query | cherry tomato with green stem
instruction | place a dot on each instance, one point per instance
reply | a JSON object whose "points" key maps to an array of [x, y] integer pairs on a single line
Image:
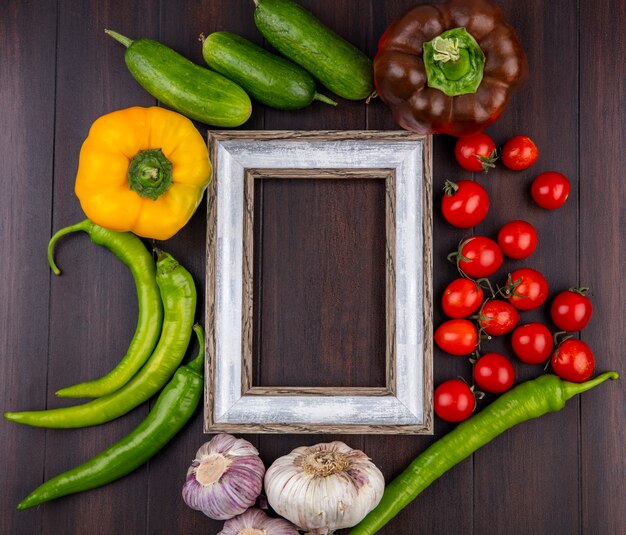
{"points": [[526, 289], [476, 153], [550, 190], [461, 298], [517, 239], [494, 373], [519, 152], [457, 337], [497, 317], [454, 401], [477, 257], [571, 310], [464, 204], [573, 361], [532, 343]]}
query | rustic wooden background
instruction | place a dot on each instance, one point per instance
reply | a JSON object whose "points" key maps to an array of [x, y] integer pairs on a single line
{"points": [[562, 474]]}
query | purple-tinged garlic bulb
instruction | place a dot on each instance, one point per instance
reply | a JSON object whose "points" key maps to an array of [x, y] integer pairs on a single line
{"points": [[256, 522], [225, 478], [324, 488]]}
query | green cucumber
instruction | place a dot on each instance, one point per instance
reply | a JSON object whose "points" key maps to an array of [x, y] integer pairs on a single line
{"points": [[266, 77], [297, 34], [178, 83]]}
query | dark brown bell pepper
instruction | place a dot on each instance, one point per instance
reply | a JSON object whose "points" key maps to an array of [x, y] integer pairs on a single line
{"points": [[449, 68]]}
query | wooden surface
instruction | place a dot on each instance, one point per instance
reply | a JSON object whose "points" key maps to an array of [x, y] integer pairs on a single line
{"points": [[562, 474]]}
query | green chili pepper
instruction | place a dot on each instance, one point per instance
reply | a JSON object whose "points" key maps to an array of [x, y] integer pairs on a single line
{"points": [[178, 294], [173, 408], [528, 400], [130, 250]]}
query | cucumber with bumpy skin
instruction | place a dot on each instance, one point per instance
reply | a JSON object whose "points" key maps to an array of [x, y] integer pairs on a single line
{"points": [[297, 34], [182, 85], [266, 77]]}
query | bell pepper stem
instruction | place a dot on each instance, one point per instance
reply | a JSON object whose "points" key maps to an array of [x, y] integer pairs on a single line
{"points": [[119, 37], [150, 173], [454, 62], [82, 226], [197, 364], [572, 389], [446, 49]]}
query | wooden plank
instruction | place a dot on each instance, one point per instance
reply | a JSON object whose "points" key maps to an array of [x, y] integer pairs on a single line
{"points": [[180, 25], [454, 487], [602, 200], [346, 18], [247, 320], [27, 79], [318, 391], [93, 304], [390, 285], [527, 481]]}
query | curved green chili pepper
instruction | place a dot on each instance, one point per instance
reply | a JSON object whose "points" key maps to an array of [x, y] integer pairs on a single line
{"points": [[173, 408], [528, 400], [178, 294], [130, 250]]}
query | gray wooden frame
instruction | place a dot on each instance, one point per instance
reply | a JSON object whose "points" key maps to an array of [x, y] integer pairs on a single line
{"points": [[403, 160]]}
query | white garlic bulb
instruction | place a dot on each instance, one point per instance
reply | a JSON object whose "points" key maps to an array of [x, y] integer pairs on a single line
{"points": [[256, 522], [225, 478], [325, 487]]}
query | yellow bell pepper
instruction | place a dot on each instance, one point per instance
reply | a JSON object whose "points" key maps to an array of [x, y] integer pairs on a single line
{"points": [[142, 170]]}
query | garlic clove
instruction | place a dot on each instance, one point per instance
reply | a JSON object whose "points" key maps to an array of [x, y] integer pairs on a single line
{"points": [[225, 478], [324, 487], [256, 522]]}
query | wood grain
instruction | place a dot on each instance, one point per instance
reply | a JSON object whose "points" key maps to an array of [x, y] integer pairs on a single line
{"points": [[553, 474], [427, 514], [602, 258], [247, 320], [319, 391], [93, 304], [390, 282], [27, 155], [561, 474]]}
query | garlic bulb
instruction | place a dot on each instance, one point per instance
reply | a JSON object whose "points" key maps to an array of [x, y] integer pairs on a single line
{"points": [[325, 487], [225, 478], [256, 522]]}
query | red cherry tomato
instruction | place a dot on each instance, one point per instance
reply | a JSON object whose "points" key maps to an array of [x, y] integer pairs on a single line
{"points": [[498, 317], [494, 373], [454, 401], [519, 153], [479, 257], [464, 204], [530, 291], [517, 239], [571, 310], [457, 337], [532, 343], [550, 190], [476, 153], [573, 361], [461, 298]]}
